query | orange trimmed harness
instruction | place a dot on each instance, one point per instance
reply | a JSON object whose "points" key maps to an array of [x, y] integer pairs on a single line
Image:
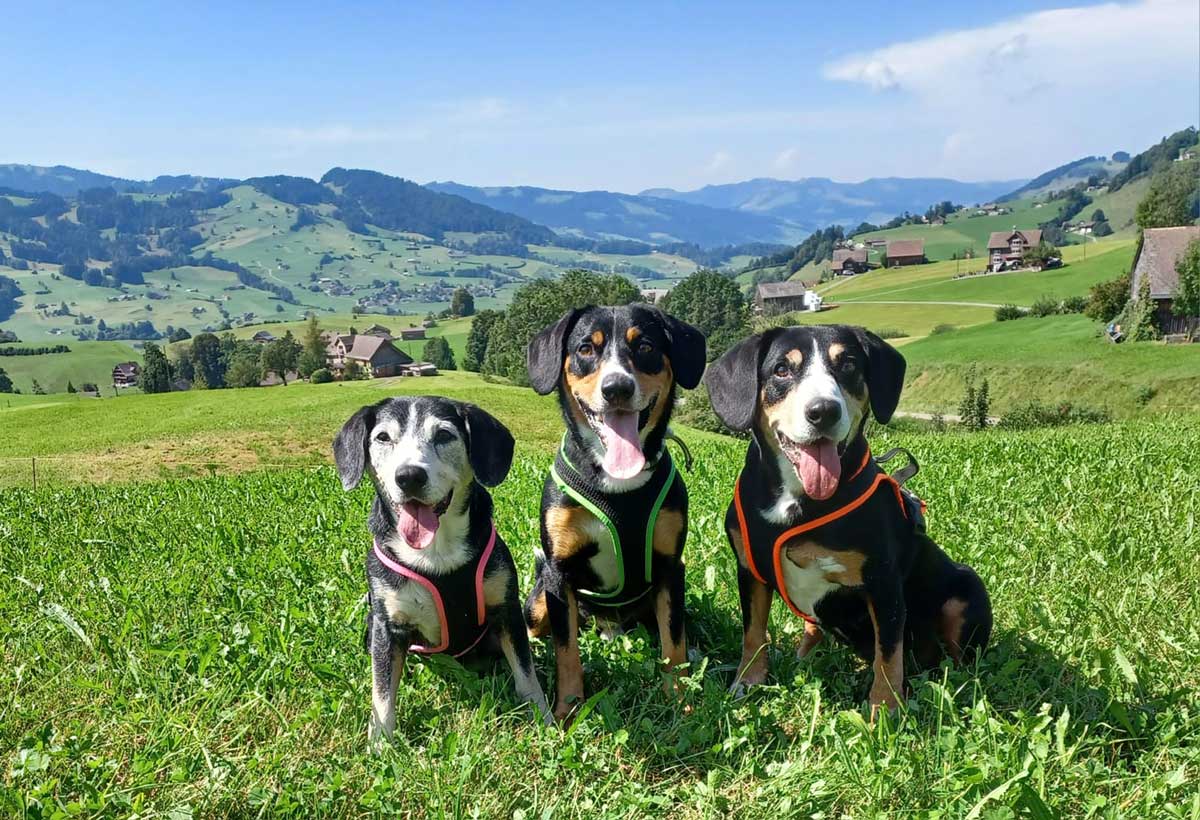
{"points": [[879, 477]]}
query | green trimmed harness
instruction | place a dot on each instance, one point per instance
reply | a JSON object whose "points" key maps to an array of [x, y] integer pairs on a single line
{"points": [[621, 514]]}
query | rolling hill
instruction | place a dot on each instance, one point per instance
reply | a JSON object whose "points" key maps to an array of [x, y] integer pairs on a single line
{"points": [[604, 214], [816, 202], [65, 181]]}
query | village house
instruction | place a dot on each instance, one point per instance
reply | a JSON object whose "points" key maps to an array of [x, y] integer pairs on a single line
{"points": [[418, 369], [1186, 154], [376, 355], [379, 330], [774, 298], [263, 337], [126, 374], [654, 295], [1005, 248], [846, 262], [905, 252], [1155, 262], [412, 334]]}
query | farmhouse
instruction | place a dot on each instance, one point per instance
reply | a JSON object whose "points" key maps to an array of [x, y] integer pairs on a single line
{"points": [[847, 262], [263, 337], [379, 330], [418, 369], [377, 355], [412, 334], [774, 298], [126, 374], [654, 295], [1005, 248], [905, 252], [1155, 263]]}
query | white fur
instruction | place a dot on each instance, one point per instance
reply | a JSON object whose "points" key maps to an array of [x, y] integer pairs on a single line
{"points": [[410, 604], [604, 562], [808, 585]]}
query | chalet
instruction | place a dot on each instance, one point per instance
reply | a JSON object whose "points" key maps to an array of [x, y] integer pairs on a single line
{"points": [[376, 355], [1155, 262], [263, 337], [1186, 154], [412, 334], [905, 252], [126, 374], [654, 295], [379, 330], [1005, 248], [847, 262], [774, 298]]}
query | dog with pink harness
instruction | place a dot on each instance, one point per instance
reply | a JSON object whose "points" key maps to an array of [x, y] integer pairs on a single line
{"points": [[439, 577]]}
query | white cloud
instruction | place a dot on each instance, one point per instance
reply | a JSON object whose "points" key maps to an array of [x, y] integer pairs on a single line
{"points": [[786, 159], [719, 161]]}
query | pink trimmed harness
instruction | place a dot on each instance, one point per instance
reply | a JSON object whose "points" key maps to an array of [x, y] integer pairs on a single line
{"points": [[480, 603]]}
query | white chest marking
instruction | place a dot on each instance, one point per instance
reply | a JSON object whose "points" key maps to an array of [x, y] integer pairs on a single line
{"points": [[604, 562], [412, 605], [808, 585]]}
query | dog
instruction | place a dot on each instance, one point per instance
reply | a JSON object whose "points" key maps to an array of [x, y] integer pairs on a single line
{"points": [[614, 508], [439, 577], [816, 520]]}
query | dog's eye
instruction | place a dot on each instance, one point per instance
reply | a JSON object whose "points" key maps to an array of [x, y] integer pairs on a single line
{"points": [[382, 436], [645, 347], [782, 370], [443, 436], [585, 349], [847, 365]]}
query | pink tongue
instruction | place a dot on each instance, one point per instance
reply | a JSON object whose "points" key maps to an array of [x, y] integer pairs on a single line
{"points": [[819, 468], [418, 524], [622, 449]]}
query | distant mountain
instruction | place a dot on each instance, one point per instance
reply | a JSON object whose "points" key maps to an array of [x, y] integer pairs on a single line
{"points": [[815, 202], [604, 215], [1067, 176], [65, 181]]}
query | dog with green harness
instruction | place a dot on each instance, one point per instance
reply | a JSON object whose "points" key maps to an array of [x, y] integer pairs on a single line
{"points": [[614, 506]]}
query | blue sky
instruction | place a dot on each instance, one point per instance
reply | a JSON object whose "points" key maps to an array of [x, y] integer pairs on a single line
{"points": [[616, 96]]}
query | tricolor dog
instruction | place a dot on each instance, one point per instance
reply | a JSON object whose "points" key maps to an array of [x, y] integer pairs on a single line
{"points": [[439, 577], [614, 508], [816, 520]]}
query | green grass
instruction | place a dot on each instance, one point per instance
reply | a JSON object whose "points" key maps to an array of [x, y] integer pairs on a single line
{"points": [[915, 319], [193, 648], [1053, 359], [87, 362], [1119, 206]]}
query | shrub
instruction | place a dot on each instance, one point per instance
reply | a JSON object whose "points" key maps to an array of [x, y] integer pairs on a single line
{"points": [[1044, 306], [890, 333], [1144, 394], [1006, 313], [321, 376], [1073, 304], [973, 409], [694, 409], [1106, 299], [940, 329], [1036, 414]]}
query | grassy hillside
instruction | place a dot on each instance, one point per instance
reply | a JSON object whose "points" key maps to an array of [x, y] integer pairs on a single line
{"points": [[87, 362], [1054, 359], [254, 696]]}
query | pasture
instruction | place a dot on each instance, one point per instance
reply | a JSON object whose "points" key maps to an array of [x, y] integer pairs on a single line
{"points": [[193, 647], [86, 362]]}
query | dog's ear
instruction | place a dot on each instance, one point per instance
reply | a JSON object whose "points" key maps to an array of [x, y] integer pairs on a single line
{"points": [[732, 383], [688, 351], [885, 374], [544, 356], [489, 445], [350, 447]]}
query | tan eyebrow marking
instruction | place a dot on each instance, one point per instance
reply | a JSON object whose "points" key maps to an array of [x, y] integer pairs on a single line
{"points": [[597, 337], [836, 350], [632, 333], [795, 357]]}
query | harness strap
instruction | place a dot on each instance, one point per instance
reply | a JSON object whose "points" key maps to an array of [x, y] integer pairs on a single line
{"points": [[439, 604], [907, 471]]}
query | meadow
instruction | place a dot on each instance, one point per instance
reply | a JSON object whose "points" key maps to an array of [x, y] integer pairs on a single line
{"points": [[192, 647], [87, 362]]}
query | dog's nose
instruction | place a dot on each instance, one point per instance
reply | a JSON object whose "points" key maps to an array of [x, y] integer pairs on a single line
{"points": [[411, 479], [823, 412], [617, 387]]}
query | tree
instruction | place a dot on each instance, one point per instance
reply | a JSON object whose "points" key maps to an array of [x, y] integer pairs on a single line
{"points": [[1106, 299], [321, 376], [1137, 319], [462, 303], [281, 356], [353, 372], [70, 388], [437, 351], [1102, 229], [1040, 253], [1187, 302], [1173, 198], [1098, 216], [477, 339], [714, 305], [156, 372], [312, 354], [38, 390], [179, 334], [207, 363], [540, 303], [6, 385]]}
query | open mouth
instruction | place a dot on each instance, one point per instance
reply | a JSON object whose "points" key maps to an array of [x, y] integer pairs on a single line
{"points": [[417, 522], [818, 463], [618, 431]]}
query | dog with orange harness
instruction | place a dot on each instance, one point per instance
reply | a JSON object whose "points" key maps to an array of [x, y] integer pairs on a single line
{"points": [[815, 518]]}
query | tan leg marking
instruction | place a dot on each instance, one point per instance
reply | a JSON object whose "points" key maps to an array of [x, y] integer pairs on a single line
{"points": [[569, 676], [540, 627], [812, 636], [567, 528], [752, 669], [666, 531], [889, 671], [950, 623], [673, 653]]}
